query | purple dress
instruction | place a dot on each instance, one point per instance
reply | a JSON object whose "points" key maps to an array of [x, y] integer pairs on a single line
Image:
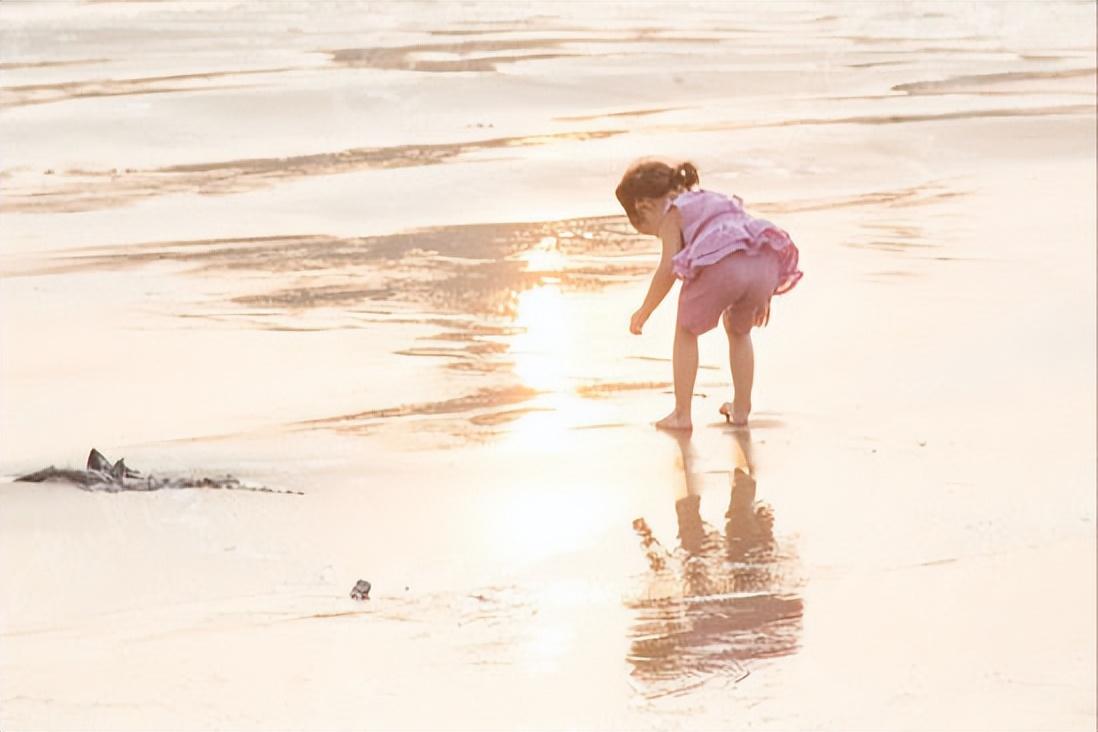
{"points": [[714, 227]]}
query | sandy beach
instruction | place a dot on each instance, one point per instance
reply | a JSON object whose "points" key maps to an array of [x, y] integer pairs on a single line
{"points": [[370, 253]]}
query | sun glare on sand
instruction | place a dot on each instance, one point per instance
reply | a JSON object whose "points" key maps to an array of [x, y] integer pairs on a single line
{"points": [[549, 352], [550, 518], [542, 349]]}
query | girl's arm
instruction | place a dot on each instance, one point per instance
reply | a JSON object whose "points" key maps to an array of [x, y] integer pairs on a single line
{"points": [[663, 278]]}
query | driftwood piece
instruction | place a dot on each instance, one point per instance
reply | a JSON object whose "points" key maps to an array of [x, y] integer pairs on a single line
{"points": [[101, 475]]}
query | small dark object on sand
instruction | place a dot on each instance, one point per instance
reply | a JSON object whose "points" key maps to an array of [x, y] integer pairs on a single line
{"points": [[361, 590]]}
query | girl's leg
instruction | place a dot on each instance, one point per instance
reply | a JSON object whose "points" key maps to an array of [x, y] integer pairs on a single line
{"points": [[685, 362], [761, 274], [741, 359]]}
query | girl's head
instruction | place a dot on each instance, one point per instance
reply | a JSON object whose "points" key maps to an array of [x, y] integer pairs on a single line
{"points": [[645, 187]]}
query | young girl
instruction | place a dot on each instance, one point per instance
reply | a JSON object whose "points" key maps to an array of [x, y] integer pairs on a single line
{"points": [[730, 264]]}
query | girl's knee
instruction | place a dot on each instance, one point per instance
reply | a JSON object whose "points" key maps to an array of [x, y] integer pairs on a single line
{"points": [[684, 332], [736, 325]]}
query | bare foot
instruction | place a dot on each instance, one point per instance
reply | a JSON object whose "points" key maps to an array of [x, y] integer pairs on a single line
{"points": [[734, 416], [674, 421]]}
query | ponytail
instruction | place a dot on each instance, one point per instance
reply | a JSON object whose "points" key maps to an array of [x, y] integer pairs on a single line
{"points": [[685, 176]]}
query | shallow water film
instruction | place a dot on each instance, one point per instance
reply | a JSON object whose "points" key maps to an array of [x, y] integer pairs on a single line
{"points": [[351, 279]]}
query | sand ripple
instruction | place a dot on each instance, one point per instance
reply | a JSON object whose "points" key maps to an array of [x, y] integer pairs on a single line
{"points": [[88, 190]]}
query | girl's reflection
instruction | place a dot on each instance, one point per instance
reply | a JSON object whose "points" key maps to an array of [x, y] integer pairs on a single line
{"points": [[718, 599]]}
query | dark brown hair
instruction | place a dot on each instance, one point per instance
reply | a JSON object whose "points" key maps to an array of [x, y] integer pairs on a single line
{"points": [[652, 179]]}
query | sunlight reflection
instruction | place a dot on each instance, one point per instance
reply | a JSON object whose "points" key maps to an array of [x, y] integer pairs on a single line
{"points": [[545, 353], [545, 257], [543, 348], [539, 522], [542, 519]]}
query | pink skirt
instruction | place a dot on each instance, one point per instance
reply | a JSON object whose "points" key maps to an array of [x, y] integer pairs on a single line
{"points": [[739, 286]]}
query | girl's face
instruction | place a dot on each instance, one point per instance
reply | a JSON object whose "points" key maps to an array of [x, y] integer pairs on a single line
{"points": [[650, 211]]}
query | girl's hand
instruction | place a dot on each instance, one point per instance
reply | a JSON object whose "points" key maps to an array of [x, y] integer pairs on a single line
{"points": [[637, 322]]}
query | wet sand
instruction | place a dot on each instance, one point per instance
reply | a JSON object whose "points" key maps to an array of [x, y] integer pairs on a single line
{"points": [[380, 263]]}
